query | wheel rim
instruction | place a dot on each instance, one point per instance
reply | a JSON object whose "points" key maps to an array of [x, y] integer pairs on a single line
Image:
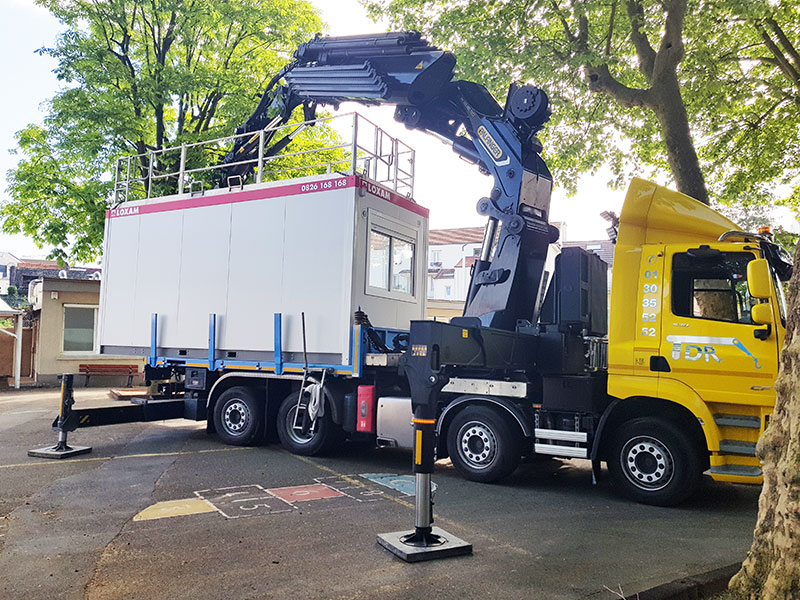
{"points": [[477, 445], [236, 417], [647, 463], [296, 435]]}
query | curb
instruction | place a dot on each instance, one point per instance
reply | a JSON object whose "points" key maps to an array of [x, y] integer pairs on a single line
{"points": [[694, 587]]}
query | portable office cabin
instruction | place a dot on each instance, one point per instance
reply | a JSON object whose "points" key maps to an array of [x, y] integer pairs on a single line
{"points": [[322, 245]]}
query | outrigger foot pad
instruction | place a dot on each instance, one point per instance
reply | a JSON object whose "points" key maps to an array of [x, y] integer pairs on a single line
{"points": [[59, 451], [419, 545]]}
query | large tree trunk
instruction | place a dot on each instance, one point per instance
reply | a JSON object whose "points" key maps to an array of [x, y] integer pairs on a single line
{"points": [[771, 570], [682, 157]]}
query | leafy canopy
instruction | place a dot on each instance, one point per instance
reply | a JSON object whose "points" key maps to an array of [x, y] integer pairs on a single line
{"points": [[738, 74], [139, 75]]}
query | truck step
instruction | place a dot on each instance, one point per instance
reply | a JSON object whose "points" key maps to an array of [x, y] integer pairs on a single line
{"points": [[749, 422], [570, 451], [738, 470], [737, 447], [560, 435]]}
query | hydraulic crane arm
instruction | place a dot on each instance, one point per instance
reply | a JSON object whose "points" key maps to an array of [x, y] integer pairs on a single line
{"points": [[402, 69]]}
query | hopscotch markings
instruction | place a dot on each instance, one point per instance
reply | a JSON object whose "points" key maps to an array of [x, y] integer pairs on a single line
{"points": [[251, 500], [305, 493], [405, 484], [244, 501], [353, 487]]}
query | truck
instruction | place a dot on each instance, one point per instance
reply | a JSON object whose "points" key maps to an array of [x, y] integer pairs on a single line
{"points": [[294, 309]]}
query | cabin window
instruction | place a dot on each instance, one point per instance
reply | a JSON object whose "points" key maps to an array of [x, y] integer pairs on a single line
{"points": [[708, 284]]}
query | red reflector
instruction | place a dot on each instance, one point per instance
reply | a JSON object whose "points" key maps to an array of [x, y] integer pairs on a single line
{"points": [[365, 421]]}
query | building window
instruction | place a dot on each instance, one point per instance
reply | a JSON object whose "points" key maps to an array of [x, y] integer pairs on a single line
{"points": [[436, 256], [391, 263], [712, 286], [447, 290], [79, 328]]}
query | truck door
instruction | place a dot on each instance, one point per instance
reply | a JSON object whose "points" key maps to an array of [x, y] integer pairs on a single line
{"points": [[708, 337]]}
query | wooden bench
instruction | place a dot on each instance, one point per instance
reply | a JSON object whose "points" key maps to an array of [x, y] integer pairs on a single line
{"points": [[104, 369]]}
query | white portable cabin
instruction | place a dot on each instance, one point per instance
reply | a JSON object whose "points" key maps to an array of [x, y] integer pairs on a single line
{"points": [[199, 278]]}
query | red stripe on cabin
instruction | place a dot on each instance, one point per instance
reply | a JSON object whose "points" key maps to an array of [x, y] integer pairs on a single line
{"points": [[294, 189]]}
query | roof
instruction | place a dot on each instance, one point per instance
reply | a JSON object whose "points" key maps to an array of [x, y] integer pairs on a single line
{"points": [[31, 263], [461, 235], [445, 274], [6, 310], [603, 248], [470, 261]]}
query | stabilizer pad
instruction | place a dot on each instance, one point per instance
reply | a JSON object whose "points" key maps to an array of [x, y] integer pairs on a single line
{"points": [[54, 452], [452, 546]]}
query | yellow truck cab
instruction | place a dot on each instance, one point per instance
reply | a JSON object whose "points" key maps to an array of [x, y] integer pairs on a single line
{"points": [[697, 320]]}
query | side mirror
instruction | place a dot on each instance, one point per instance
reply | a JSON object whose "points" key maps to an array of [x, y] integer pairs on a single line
{"points": [[759, 279], [761, 314]]}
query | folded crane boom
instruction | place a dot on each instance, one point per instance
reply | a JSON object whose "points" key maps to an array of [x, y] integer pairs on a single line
{"points": [[404, 70]]}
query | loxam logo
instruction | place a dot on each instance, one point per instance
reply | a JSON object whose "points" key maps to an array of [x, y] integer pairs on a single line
{"points": [[376, 190], [124, 211]]}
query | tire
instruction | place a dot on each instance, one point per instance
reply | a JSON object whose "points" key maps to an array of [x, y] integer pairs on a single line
{"points": [[239, 417], [321, 439], [483, 444], [654, 462]]}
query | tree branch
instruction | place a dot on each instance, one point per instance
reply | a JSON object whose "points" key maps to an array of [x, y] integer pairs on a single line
{"points": [[784, 41], [671, 51], [610, 33], [644, 51], [783, 63], [601, 81]]}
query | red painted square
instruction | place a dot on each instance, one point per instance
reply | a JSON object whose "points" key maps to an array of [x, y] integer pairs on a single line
{"points": [[303, 493]]}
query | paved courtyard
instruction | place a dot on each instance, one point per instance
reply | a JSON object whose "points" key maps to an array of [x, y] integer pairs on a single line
{"points": [[163, 510]]}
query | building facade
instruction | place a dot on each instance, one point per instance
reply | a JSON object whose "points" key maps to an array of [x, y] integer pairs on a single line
{"points": [[65, 336]]}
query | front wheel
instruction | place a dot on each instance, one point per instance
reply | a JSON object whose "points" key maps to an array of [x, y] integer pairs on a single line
{"points": [[483, 444], [654, 462], [315, 438]]}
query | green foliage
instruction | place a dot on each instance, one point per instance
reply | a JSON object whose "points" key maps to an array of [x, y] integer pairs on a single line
{"points": [[139, 75], [738, 76], [12, 290]]}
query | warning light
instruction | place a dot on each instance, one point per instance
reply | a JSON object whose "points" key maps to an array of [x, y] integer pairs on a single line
{"points": [[764, 229]]}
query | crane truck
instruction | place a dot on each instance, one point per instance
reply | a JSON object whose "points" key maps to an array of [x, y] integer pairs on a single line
{"points": [[297, 307]]}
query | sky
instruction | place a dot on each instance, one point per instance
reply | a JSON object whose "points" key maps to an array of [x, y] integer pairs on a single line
{"points": [[445, 184]]}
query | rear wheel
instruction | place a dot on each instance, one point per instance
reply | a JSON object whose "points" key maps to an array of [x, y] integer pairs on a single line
{"points": [[314, 439], [483, 444], [654, 462], [239, 416]]}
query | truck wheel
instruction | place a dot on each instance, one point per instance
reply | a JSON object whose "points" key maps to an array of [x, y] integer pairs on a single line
{"points": [[239, 416], [483, 445], [654, 462], [316, 440]]}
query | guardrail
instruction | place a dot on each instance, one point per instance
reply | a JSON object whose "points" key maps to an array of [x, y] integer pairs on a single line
{"points": [[349, 144]]}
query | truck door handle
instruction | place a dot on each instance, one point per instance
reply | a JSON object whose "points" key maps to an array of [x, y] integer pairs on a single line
{"points": [[763, 333]]}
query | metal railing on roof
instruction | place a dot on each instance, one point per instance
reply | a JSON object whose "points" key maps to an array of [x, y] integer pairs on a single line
{"points": [[348, 144]]}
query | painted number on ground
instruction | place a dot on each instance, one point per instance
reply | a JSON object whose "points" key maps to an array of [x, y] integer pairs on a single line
{"points": [[244, 501]]}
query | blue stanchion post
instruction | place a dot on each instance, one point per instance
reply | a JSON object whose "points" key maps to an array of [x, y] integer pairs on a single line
{"points": [[278, 353]]}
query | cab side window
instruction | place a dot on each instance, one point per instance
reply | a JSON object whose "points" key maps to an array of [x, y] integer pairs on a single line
{"points": [[709, 284]]}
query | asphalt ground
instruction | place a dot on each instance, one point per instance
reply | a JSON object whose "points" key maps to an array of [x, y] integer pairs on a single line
{"points": [[163, 510]]}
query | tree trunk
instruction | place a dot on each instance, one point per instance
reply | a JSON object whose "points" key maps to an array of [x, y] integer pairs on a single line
{"points": [[681, 155], [771, 570]]}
